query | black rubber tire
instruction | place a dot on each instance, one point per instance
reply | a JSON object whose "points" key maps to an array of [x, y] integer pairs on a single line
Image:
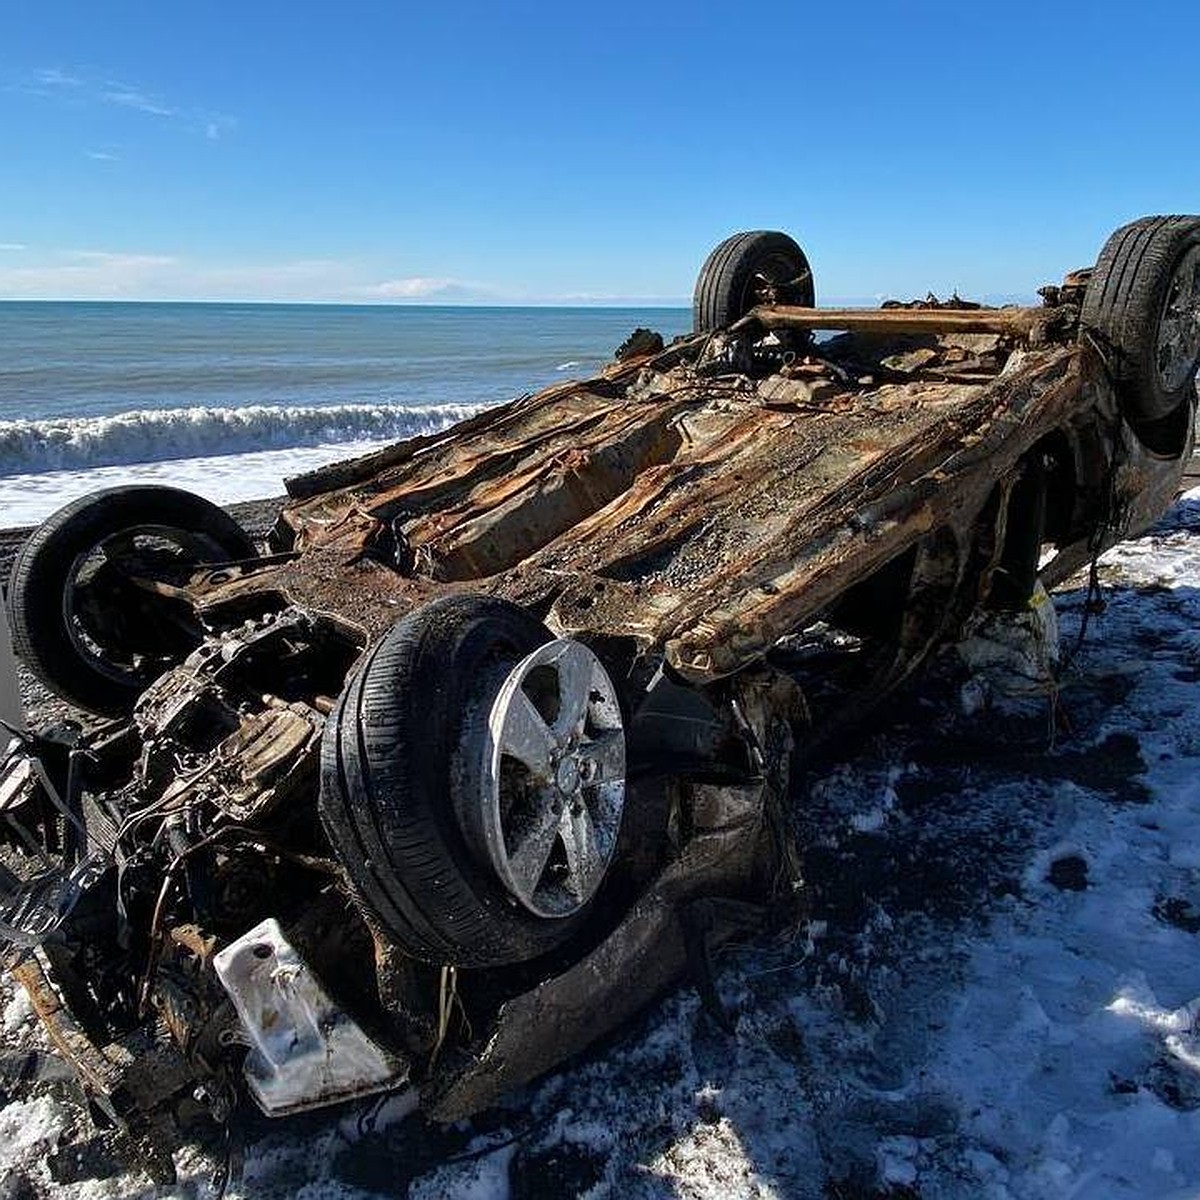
{"points": [[43, 567], [397, 767], [1123, 305], [725, 287]]}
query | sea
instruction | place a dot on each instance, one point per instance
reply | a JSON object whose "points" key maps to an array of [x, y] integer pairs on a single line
{"points": [[229, 399]]}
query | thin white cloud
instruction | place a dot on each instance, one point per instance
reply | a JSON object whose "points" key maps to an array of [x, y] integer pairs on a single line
{"points": [[129, 97], [87, 274], [432, 290], [415, 288], [103, 155], [119, 259], [304, 279], [84, 273], [79, 88], [54, 77], [13, 246]]}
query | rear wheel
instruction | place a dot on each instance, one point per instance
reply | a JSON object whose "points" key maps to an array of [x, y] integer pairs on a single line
{"points": [[90, 595], [473, 783], [1142, 307], [748, 269]]}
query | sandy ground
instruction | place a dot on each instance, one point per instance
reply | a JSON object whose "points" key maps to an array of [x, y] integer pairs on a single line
{"points": [[997, 995]]}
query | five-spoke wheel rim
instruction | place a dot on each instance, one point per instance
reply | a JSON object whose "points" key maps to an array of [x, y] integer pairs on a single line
{"points": [[554, 778], [1178, 343]]}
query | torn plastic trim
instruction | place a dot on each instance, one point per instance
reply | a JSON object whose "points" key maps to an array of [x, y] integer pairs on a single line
{"points": [[305, 1052]]}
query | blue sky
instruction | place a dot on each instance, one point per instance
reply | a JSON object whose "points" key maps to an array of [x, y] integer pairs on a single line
{"points": [[512, 152]]}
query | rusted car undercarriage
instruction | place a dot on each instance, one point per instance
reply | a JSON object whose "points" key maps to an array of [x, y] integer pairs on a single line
{"points": [[493, 740]]}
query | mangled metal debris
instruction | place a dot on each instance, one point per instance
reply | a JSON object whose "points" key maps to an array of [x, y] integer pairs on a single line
{"points": [[493, 742], [304, 1050]]}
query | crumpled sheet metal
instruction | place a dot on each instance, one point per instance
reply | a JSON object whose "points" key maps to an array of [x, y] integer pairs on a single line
{"points": [[703, 516], [812, 556], [645, 955], [738, 863]]}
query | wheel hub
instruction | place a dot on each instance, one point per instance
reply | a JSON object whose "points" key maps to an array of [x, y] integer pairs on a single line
{"points": [[1178, 342], [554, 779], [568, 776]]}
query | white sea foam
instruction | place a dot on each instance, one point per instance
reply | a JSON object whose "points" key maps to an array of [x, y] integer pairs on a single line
{"points": [[224, 478], [165, 435]]}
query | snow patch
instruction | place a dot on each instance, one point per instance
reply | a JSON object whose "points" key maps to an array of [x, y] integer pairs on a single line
{"points": [[17, 1012], [30, 1125]]}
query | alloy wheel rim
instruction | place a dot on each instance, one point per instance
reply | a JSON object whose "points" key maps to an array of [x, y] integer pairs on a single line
{"points": [[1178, 343], [554, 779]]}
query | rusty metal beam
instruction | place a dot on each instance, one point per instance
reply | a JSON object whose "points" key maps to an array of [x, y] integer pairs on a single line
{"points": [[101, 1077], [1016, 322]]}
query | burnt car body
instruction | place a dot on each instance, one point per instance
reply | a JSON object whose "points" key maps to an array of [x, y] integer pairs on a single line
{"points": [[494, 738]]}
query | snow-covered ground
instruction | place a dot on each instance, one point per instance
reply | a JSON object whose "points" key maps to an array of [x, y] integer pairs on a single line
{"points": [[998, 994]]}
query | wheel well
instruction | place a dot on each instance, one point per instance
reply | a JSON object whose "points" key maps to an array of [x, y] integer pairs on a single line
{"points": [[1061, 486]]}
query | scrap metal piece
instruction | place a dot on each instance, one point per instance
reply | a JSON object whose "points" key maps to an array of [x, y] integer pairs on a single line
{"points": [[306, 1051], [40, 884], [100, 1075], [1013, 321], [731, 856]]}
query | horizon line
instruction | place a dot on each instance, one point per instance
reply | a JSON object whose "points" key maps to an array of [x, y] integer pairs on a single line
{"points": [[667, 305]]}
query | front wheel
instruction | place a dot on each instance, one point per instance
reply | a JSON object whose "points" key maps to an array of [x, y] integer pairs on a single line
{"points": [[473, 783]]}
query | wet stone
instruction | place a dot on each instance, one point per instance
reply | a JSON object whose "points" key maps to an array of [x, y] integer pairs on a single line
{"points": [[83, 1161], [1174, 1083], [565, 1169], [640, 341], [15, 1186], [1174, 910], [1069, 873], [912, 361]]}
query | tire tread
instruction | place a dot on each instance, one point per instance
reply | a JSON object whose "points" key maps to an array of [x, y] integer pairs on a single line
{"points": [[41, 570], [387, 772], [1122, 305], [722, 278]]}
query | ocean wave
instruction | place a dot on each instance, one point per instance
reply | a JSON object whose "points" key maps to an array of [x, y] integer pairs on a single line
{"points": [[569, 366], [77, 443]]}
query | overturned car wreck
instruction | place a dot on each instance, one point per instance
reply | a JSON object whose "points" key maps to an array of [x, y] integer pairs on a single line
{"points": [[493, 737]]}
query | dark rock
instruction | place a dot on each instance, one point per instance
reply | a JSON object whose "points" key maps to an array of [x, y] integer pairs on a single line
{"points": [[639, 342], [1174, 910], [83, 1160], [1069, 873], [564, 1170], [14, 1186]]}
